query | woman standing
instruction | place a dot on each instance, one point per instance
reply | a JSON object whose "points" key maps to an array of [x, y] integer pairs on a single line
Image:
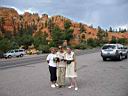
{"points": [[52, 62], [71, 68], [61, 67]]}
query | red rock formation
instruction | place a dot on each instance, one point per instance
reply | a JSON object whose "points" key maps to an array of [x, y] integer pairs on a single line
{"points": [[13, 22], [10, 20]]}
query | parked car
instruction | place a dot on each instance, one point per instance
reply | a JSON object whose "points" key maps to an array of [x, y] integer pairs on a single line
{"points": [[114, 51], [15, 53]]}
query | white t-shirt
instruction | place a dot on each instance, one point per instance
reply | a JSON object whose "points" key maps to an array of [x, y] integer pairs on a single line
{"points": [[50, 58]]}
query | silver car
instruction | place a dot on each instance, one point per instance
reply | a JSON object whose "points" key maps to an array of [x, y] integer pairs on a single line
{"points": [[114, 51], [15, 53]]}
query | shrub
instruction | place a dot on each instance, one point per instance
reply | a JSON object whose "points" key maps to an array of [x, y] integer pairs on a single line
{"points": [[5, 45], [91, 42], [122, 40], [80, 46], [44, 48], [114, 40]]}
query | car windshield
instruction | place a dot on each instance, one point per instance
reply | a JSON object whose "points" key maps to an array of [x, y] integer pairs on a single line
{"points": [[10, 51], [21, 50], [109, 47]]}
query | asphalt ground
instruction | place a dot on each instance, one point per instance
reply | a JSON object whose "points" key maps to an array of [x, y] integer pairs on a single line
{"points": [[34, 59], [95, 78]]}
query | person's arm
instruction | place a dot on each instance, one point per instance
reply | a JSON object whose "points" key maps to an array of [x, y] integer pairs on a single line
{"points": [[47, 61], [48, 58], [75, 67], [65, 57]]}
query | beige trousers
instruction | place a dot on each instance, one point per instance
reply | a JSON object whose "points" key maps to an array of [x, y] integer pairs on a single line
{"points": [[61, 75]]}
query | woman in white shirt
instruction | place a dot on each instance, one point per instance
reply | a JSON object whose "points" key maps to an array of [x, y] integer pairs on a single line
{"points": [[52, 62], [71, 68]]}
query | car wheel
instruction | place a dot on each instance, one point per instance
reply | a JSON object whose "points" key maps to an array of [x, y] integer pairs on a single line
{"points": [[119, 57], [126, 56], [104, 59], [21, 55], [6, 57], [9, 56]]}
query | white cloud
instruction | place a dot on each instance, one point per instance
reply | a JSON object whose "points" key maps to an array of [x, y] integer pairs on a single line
{"points": [[123, 26], [31, 10]]}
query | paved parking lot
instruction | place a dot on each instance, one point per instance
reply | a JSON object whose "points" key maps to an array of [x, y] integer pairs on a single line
{"points": [[95, 78]]}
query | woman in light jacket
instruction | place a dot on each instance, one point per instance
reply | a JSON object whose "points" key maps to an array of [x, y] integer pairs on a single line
{"points": [[71, 68]]}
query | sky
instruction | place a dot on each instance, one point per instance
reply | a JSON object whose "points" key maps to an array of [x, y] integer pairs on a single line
{"points": [[103, 13]]}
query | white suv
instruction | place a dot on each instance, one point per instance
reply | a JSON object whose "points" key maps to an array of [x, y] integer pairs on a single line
{"points": [[15, 53], [114, 51]]}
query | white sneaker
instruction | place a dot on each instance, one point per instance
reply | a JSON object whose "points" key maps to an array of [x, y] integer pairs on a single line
{"points": [[70, 86], [53, 86], [56, 85], [76, 88]]}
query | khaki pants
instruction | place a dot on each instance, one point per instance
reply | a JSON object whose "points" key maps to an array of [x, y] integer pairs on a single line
{"points": [[61, 75]]}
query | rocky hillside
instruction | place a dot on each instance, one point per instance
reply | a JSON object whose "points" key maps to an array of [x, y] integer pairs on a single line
{"points": [[11, 23]]}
